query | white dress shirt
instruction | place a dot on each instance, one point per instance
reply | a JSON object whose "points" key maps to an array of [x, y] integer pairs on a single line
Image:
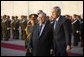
{"points": [[56, 20], [43, 25]]}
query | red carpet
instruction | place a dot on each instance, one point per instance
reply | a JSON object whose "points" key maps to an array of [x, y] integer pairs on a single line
{"points": [[13, 46], [74, 54], [22, 48]]}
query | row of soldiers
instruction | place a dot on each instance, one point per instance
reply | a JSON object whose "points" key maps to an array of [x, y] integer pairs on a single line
{"points": [[77, 27], [5, 21], [14, 26]]}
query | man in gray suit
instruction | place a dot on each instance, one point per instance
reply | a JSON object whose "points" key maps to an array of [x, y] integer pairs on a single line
{"points": [[61, 33], [41, 38]]}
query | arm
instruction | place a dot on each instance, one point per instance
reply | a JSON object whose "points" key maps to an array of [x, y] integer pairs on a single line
{"points": [[68, 34], [51, 40]]}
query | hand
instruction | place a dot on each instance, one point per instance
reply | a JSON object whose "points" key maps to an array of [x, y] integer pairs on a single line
{"points": [[25, 29], [7, 28], [51, 51], [30, 50], [14, 28], [77, 31], [68, 49]]}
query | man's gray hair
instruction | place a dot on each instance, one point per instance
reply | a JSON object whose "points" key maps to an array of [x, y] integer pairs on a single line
{"points": [[57, 9], [40, 10], [43, 14]]}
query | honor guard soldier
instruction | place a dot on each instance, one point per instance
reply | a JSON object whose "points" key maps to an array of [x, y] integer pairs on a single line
{"points": [[23, 27], [12, 26], [4, 28], [16, 25], [31, 22]]}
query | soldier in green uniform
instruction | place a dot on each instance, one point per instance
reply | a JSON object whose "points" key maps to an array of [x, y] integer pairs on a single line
{"points": [[8, 27], [4, 27], [12, 26], [23, 27], [16, 25], [30, 24]]}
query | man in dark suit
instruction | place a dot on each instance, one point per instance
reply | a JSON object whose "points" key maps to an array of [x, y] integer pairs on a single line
{"points": [[41, 38], [61, 33], [76, 30]]}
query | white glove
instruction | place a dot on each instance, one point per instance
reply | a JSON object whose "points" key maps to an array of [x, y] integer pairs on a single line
{"points": [[25, 29], [77, 31], [8, 28], [14, 28]]}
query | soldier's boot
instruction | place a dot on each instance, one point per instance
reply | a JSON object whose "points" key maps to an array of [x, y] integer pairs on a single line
{"points": [[5, 37], [17, 34]]}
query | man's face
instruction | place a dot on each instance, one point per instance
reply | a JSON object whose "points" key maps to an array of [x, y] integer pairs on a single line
{"points": [[38, 12], [41, 19], [12, 17], [8, 17], [74, 17], [32, 19], [4, 17], [55, 14], [22, 17]]}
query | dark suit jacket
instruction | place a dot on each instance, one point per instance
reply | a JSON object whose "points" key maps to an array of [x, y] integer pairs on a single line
{"points": [[76, 26], [62, 35], [41, 45]]}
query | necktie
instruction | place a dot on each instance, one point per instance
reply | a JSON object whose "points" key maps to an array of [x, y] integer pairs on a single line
{"points": [[55, 24], [40, 27]]}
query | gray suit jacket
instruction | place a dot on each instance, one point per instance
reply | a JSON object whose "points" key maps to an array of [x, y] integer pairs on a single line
{"points": [[62, 35]]}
